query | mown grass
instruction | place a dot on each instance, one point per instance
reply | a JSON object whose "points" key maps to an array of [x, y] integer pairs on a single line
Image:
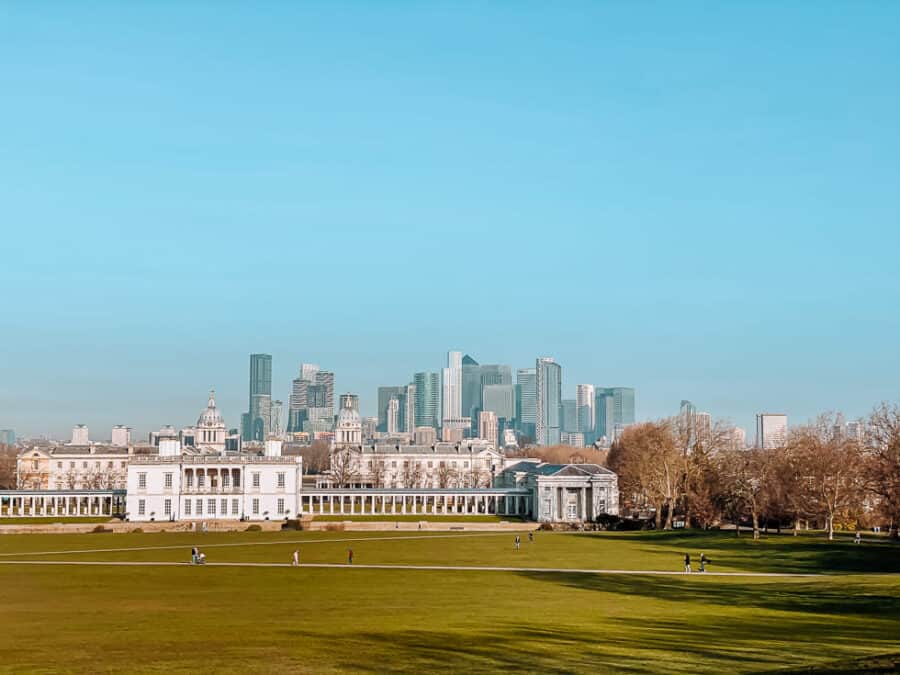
{"points": [[203, 619]]}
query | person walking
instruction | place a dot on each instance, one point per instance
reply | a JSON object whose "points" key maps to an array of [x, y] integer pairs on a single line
{"points": [[530, 536], [687, 563], [194, 555], [518, 542], [349, 556], [703, 561], [295, 561], [858, 538]]}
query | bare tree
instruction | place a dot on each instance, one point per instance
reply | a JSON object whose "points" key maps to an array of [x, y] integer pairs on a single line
{"points": [[316, 457], [377, 473], [446, 476], [412, 473], [70, 479], [881, 466], [7, 467], [344, 466]]}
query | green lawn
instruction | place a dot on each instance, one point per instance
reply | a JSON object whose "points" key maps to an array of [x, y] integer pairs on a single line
{"points": [[191, 619]]}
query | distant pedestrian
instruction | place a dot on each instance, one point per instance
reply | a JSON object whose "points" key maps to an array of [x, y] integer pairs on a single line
{"points": [[201, 559], [518, 542], [349, 556], [687, 563], [531, 536], [296, 559], [194, 555], [858, 539], [703, 561]]}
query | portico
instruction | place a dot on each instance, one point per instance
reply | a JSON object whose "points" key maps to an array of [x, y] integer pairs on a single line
{"points": [[431, 502], [61, 503]]}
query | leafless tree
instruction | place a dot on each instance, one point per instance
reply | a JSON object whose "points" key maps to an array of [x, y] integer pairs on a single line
{"points": [[344, 466], [412, 473], [881, 462], [7, 467], [377, 473]]}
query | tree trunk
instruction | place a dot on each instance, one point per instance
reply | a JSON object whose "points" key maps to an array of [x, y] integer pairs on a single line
{"points": [[659, 516], [755, 525], [669, 510], [830, 521], [737, 526], [796, 526]]}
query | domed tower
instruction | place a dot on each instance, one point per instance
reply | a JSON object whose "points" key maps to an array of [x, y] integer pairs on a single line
{"points": [[348, 430], [210, 430]]}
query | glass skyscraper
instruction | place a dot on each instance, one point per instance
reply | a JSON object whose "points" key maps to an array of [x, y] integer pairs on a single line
{"points": [[259, 417], [613, 411], [427, 399], [548, 378], [526, 400]]}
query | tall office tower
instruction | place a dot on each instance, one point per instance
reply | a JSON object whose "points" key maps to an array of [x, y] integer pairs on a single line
{"points": [[259, 416], [408, 409], [569, 415], [385, 394], [475, 377], [80, 435], [308, 371], [349, 402], [121, 436], [526, 401], [487, 427], [584, 409], [687, 408], [500, 399], [369, 425], [613, 411], [771, 430], [428, 400], [738, 438], [548, 380], [276, 412], [325, 378], [425, 436], [451, 393], [7, 437], [392, 425]]}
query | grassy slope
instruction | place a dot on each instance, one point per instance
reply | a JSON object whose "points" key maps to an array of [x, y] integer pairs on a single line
{"points": [[189, 619]]}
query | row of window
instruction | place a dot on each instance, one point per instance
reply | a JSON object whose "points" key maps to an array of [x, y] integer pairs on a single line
{"points": [[201, 480], [453, 464], [84, 465]]}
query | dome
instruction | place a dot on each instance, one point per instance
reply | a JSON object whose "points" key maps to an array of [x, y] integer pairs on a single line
{"points": [[348, 417], [211, 417]]}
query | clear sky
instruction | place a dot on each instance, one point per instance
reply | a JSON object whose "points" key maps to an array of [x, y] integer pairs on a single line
{"points": [[700, 200]]}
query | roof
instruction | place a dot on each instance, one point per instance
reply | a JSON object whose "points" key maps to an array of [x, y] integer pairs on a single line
{"points": [[436, 449], [560, 470]]}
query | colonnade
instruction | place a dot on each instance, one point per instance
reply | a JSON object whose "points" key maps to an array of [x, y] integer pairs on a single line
{"points": [[37, 505], [365, 502]]}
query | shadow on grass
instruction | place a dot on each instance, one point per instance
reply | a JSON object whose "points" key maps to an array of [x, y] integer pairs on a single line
{"points": [[773, 552]]}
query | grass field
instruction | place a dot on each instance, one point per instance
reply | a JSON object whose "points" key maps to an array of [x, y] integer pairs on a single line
{"points": [[182, 618]]}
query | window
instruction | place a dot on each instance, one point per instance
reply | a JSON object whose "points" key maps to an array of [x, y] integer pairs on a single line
{"points": [[189, 480], [280, 507], [226, 479], [466, 465], [97, 464], [281, 480], [167, 507], [168, 481], [430, 465], [84, 465], [370, 463], [256, 479], [123, 464], [59, 465], [142, 505], [234, 507], [224, 506], [109, 464], [199, 507], [393, 465], [187, 507], [201, 479], [34, 465], [211, 506], [71, 465], [256, 506], [142, 481]]}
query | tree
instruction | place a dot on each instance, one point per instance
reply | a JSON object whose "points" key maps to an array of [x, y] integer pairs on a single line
{"points": [[7, 467], [412, 473], [316, 457], [830, 468], [446, 476], [744, 475], [377, 473], [881, 463], [344, 466]]}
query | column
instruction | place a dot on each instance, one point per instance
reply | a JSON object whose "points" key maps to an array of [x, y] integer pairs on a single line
{"points": [[583, 504]]}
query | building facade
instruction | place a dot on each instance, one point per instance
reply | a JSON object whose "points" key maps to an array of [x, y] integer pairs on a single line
{"points": [[771, 430], [549, 401]]}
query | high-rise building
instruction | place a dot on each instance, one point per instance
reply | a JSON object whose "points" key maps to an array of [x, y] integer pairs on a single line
{"points": [[475, 377], [312, 397], [549, 399], [408, 409], [385, 395], [738, 438], [584, 408], [572, 438], [613, 411], [392, 425], [526, 401], [500, 399], [428, 400], [451, 383], [569, 419], [81, 435], [275, 418], [487, 427], [121, 436], [771, 430], [325, 379], [425, 436], [7, 437], [259, 415]]}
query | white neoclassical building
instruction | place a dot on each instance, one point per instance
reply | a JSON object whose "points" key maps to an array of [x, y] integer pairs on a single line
{"points": [[193, 484]]}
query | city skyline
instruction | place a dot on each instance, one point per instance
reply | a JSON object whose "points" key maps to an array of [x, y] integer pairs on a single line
{"points": [[700, 205]]}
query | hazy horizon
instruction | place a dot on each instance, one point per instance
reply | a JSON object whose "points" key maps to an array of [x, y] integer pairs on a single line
{"points": [[698, 201]]}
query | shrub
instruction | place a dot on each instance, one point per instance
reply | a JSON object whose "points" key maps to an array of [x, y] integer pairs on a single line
{"points": [[546, 526], [292, 525], [137, 530], [253, 528], [100, 528], [334, 527]]}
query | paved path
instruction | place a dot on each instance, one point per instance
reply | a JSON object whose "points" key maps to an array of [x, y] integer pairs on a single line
{"points": [[439, 568], [280, 542]]}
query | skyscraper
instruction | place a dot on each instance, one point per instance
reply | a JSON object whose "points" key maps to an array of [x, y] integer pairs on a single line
{"points": [[526, 401], [408, 409], [7, 437], [259, 416], [451, 395], [500, 399], [613, 411], [584, 409], [548, 379], [392, 423], [385, 395], [569, 419], [487, 427], [428, 400], [771, 430], [475, 377]]}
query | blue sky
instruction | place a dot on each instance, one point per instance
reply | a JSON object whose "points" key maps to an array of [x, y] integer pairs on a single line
{"points": [[699, 200]]}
